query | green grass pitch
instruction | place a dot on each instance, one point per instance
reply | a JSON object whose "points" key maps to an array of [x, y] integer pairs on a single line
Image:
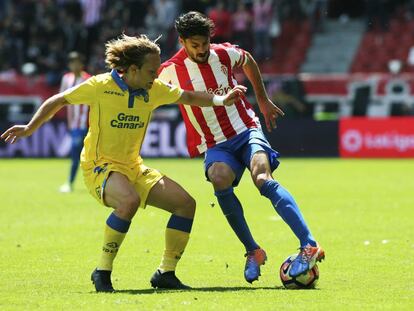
{"points": [[361, 211]]}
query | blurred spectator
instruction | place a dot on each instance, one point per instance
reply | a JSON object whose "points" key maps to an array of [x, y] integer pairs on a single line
{"points": [[3, 8], [262, 17], [222, 20], [377, 11], [91, 19], [97, 61], [77, 116], [295, 11], [6, 54], [54, 62], [195, 5], [151, 23], [241, 24], [316, 10], [166, 11], [40, 32], [137, 10], [292, 106]]}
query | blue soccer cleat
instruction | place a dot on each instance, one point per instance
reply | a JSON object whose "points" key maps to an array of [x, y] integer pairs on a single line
{"points": [[254, 260], [306, 259]]}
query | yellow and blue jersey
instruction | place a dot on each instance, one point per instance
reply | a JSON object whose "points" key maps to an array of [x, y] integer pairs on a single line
{"points": [[118, 116]]}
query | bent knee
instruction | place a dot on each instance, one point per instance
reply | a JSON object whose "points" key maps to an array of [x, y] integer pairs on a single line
{"points": [[260, 179], [128, 205], [221, 177], [187, 208]]}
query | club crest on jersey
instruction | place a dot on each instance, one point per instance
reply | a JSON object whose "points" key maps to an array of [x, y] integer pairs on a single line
{"points": [[224, 69], [145, 97]]}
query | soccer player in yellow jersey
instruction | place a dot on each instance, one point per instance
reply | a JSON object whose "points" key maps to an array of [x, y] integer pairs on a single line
{"points": [[120, 105]]}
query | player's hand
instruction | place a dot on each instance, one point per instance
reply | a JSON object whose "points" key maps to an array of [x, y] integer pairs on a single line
{"points": [[270, 113], [234, 95], [15, 132]]}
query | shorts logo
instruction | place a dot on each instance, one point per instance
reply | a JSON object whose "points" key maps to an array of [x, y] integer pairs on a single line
{"points": [[100, 169], [98, 191]]}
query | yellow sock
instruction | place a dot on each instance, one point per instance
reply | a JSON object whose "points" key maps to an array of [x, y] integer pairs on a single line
{"points": [[175, 243], [112, 241]]}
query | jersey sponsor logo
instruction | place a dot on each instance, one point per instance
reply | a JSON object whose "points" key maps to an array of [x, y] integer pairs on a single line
{"points": [[221, 90], [114, 93], [127, 121]]}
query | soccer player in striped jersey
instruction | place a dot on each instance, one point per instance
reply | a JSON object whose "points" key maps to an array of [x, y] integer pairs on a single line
{"points": [[231, 136], [77, 116], [121, 103]]}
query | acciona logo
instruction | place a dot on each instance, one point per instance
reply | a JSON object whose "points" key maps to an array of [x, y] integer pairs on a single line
{"points": [[353, 141]]}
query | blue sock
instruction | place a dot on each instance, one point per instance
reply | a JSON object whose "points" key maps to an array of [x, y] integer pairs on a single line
{"points": [[73, 169], [75, 158], [180, 223], [233, 211], [287, 208], [118, 224]]}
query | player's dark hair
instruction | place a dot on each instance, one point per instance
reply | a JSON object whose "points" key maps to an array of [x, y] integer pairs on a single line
{"points": [[194, 24], [126, 51]]}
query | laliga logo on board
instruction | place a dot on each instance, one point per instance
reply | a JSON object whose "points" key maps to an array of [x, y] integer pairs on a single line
{"points": [[352, 141], [390, 140]]}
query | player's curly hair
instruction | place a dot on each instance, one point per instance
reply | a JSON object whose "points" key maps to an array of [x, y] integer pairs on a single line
{"points": [[125, 51], [194, 24]]}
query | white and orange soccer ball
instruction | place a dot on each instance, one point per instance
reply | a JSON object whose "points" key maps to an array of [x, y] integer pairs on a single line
{"points": [[303, 281]]}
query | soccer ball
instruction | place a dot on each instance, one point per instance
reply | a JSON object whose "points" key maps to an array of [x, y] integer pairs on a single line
{"points": [[303, 281]]}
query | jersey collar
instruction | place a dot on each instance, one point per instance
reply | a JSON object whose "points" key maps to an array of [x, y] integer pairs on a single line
{"points": [[132, 93], [118, 80]]}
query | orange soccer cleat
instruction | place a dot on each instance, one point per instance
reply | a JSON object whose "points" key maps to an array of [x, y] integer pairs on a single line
{"points": [[254, 260], [306, 259]]}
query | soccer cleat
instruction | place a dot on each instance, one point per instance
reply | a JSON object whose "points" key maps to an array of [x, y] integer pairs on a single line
{"points": [[306, 259], [167, 280], [254, 260], [65, 188], [102, 281]]}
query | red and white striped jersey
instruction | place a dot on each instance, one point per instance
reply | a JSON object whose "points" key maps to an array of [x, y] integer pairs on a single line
{"points": [[77, 114], [208, 126]]}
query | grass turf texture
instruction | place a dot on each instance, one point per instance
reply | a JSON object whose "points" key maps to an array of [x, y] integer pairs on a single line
{"points": [[361, 211]]}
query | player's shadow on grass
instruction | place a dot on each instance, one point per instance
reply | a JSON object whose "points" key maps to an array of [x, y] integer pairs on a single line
{"points": [[196, 289]]}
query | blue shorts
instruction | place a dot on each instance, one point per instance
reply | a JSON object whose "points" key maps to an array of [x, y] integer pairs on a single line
{"points": [[238, 151]]}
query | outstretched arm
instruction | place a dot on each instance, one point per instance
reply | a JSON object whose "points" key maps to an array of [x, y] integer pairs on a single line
{"points": [[202, 99], [269, 110], [46, 111]]}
